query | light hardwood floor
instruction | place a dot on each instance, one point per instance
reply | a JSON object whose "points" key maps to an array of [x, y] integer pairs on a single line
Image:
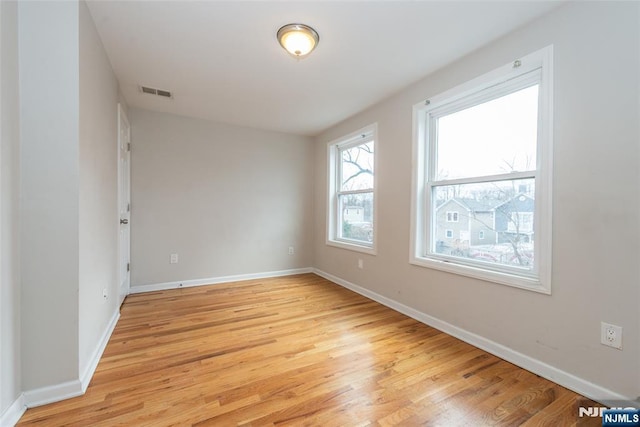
{"points": [[297, 350]]}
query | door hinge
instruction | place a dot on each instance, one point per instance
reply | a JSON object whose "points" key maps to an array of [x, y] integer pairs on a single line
{"points": [[128, 146], [128, 266], [128, 207]]}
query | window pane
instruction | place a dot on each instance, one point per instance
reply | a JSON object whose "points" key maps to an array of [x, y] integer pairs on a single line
{"points": [[357, 167], [356, 217], [495, 222], [498, 136]]}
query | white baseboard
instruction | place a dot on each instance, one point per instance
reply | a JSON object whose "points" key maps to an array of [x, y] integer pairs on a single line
{"points": [[85, 377], [53, 393], [558, 376], [13, 413], [216, 280], [74, 388]]}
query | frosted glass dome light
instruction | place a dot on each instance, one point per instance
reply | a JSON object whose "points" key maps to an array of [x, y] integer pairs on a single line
{"points": [[298, 39]]}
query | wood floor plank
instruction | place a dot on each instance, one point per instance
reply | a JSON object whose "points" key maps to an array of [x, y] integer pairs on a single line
{"points": [[296, 351]]}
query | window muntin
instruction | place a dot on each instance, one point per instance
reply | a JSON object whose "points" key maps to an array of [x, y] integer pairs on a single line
{"points": [[486, 147], [352, 191]]}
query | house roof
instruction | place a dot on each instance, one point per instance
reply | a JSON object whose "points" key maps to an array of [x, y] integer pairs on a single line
{"points": [[473, 205], [516, 197]]}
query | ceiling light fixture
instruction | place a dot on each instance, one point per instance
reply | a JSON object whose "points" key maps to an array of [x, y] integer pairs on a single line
{"points": [[298, 39]]}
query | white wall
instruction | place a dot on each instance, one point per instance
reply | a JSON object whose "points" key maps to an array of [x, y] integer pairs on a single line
{"points": [[68, 172], [227, 200], [596, 206], [98, 220], [49, 115], [10, 384]]}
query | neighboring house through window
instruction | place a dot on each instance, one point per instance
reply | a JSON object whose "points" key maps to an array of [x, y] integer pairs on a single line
{"points": [[351, 197], [500, 189], [520, 222]]}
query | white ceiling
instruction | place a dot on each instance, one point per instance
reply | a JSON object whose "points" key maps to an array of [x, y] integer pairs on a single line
{"points": [[221, 60]]}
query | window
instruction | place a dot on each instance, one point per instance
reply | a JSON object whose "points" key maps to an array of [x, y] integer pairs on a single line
{"points": [[449, 234], [520, 222], [351, 199], [502, 123]]}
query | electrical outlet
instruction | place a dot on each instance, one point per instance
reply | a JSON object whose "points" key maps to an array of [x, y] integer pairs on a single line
{"points": [[105, 294], [291, 250], [174, 258], [360, 264], [611, 335]]}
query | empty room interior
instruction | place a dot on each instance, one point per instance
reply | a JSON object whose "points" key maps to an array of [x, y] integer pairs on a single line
{"points": [[343, 213]]}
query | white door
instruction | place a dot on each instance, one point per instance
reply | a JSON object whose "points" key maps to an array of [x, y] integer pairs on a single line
{"points": [[124, 203]]}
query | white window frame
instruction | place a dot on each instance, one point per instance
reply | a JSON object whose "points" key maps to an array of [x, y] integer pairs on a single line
{"points": [[481, 235], [454, 216], [448, 233], [364, 135], [539, 63]]}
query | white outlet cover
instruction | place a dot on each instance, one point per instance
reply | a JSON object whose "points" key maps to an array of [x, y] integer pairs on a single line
{"points": [[611, 335]]}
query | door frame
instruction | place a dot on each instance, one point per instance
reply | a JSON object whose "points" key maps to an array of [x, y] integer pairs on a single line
{"points": [[123, 290]]}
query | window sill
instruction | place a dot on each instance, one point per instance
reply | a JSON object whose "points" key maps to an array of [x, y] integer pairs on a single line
{"points": [[503, 278], [352, 246]]}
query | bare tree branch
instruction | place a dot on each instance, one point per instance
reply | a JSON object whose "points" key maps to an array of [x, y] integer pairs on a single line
{"points": [[348, 158]]}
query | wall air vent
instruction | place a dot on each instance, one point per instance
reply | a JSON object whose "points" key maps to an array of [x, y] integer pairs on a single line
{"points": [[154, 91]]}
